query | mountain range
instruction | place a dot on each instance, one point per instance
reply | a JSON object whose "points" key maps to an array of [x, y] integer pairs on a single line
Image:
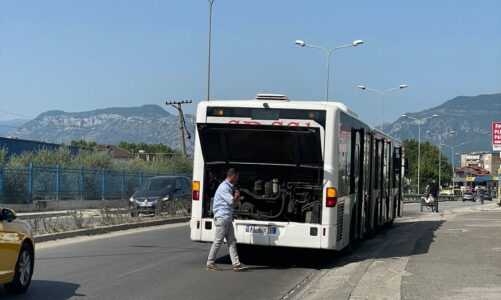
{"points": [[147, 123], [469, 117]]}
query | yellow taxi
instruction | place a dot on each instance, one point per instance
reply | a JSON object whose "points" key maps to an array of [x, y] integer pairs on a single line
{"points": [[17, 252]]}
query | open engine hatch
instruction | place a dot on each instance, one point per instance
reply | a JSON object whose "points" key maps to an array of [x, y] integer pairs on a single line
{"points": [[261, 144]]}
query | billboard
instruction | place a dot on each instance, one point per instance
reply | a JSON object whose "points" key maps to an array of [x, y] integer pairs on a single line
{"points": [[496, 136]]}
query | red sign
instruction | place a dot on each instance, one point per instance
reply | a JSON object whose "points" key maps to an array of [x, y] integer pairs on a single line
{"points": [[496, 136]]}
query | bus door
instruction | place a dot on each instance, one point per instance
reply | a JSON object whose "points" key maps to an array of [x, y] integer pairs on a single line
{"points": [[356, 186], [387, 182], [397, 167], [380, 180], [368, 169]]}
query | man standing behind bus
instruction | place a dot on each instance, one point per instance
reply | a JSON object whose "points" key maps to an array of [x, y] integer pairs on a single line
{"points": [[225, 199]]}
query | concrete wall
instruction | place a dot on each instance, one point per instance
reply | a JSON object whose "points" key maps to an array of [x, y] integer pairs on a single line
{"points": [[53, 205]]}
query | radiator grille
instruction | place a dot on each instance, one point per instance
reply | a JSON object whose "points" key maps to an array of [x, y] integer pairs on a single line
{"points": [[340, 219]]}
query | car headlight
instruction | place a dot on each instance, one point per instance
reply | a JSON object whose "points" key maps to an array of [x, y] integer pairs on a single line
{"points": [[131, 199], [166, 198]]}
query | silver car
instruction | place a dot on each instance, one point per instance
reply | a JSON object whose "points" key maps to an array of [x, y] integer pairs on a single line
{"points": [[468, 196]]}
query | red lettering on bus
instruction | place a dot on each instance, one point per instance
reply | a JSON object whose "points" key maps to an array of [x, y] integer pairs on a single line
{"points": [[293, 124], [278, 123], [252, 123]]}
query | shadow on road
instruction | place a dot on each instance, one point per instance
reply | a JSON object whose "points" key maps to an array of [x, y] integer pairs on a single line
{"points": [[46, 289], [404, 239]]}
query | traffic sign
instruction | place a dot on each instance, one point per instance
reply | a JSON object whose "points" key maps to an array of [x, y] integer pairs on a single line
{"points": [[496, 136]]}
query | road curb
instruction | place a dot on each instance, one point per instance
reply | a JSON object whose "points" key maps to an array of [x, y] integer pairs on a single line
{"points": [[106, 229]]}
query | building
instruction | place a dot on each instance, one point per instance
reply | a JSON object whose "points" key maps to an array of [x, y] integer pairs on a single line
{"points": [[470, 177], [17, 146], [490, 161], [116, 152]]}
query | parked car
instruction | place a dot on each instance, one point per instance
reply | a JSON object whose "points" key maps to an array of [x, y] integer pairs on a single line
{"points": [[487, 195], [468, 196], [159, 193], [17, 252]]}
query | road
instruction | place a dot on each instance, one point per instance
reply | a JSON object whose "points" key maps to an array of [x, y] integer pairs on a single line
{"points": [[162, 263]]}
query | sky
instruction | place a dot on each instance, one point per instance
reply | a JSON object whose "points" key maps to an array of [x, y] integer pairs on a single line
{"points": [[84, 55]]}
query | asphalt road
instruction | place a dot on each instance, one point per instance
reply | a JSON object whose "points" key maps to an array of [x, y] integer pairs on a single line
{"points": [[162, 263]]}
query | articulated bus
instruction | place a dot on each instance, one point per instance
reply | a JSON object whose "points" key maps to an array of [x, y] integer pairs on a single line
{"points": [[312, 175]]}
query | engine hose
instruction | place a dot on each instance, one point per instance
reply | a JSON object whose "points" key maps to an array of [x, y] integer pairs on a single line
{"points": [[279, 213], [309, 205], [259, 197]]}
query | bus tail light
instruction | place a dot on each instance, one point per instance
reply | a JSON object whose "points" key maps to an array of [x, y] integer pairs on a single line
{"points": [[331, 199], [196, 190]]}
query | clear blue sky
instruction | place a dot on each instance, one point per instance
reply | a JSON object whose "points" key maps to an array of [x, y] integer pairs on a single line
{"points": [[82, 55]]}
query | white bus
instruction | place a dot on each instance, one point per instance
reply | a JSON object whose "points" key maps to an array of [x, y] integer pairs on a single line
{"points": [[312, 175]]}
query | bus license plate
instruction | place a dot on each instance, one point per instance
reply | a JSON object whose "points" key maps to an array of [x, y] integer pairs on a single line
{"points": [[259, 229]]}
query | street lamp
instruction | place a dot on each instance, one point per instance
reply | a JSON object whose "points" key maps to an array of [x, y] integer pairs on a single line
{"points": [[209, 48], [381, 94], [419, 122], [440, 137], [328, 53], [452, 159]]}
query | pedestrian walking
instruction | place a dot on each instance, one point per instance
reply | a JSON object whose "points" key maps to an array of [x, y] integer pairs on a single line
{"points": [[225, 199]]}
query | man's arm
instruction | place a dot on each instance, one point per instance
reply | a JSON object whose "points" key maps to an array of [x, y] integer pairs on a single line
{"points": [[236, 198]]}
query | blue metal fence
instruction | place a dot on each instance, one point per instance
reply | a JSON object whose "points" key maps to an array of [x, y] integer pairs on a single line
{"points": [[36, 182]]}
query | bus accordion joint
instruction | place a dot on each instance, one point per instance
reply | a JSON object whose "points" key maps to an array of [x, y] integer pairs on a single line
{"points": [[196, 190], [331, 197]]}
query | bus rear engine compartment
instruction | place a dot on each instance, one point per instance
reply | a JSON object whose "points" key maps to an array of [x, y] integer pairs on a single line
{"points": [[274, 197]]}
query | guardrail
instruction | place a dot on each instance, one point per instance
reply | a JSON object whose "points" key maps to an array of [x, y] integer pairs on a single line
{"points": [[416, 198]]}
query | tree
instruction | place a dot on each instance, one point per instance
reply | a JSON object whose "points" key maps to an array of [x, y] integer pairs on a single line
{"points": [[429, 164]]}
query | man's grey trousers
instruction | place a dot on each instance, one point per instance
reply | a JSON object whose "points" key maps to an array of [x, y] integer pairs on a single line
{"points": [[224, 229]]}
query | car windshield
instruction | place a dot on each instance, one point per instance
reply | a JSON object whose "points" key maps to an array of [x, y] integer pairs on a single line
{"points": [[158, 184]]}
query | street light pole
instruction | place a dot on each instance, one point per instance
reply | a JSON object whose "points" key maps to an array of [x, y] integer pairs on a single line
{"points": [[381, 95], [440, 137], [419, 122], [209, 49], [452, 160], [328, 53]]}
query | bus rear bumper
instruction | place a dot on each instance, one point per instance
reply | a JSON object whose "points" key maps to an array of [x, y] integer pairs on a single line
{"points": [[264, 233]]}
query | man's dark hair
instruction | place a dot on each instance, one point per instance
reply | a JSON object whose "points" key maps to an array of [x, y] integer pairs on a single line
{"points": [[231, 172]]}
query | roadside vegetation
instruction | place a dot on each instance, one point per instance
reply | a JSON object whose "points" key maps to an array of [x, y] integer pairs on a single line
{"points": [[94, 218], [175, 163], [429, 164]]}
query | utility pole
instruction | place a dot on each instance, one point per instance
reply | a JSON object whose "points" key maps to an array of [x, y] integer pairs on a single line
{"points": [[177, 105]]}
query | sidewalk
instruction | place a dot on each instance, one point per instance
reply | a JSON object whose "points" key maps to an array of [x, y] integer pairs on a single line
{"points": [[450, 255]]}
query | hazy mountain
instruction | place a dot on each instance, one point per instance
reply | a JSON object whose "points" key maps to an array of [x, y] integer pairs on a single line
{"points": [[6, 127], [470, 117], [147, 123]]}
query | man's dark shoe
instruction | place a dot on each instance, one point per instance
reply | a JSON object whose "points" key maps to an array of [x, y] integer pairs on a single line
{"points": [[239, 267], [212, 267]]}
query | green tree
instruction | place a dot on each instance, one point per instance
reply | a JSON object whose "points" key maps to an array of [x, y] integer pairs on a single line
{"points": [[429, 164]]}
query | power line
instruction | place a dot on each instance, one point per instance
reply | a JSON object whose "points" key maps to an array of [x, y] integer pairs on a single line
{"points": [[182, 122], [16, 115]]}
